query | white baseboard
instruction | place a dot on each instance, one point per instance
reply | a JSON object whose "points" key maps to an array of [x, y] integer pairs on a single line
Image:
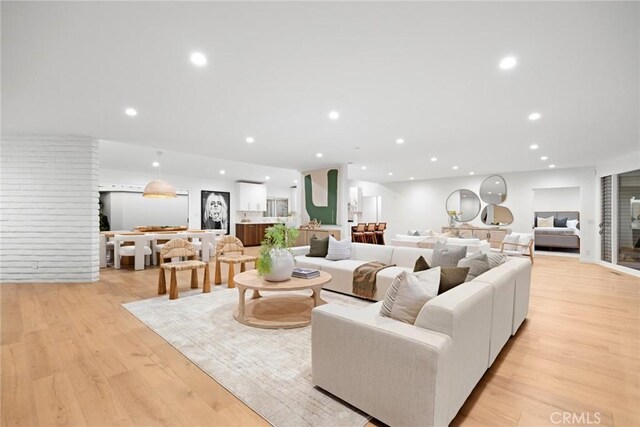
{"points": [[620, 268]]}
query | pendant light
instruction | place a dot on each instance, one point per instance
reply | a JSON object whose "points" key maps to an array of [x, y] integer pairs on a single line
{"points": [[158, 188]]}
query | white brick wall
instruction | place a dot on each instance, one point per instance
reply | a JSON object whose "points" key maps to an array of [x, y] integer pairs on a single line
{"points": [[48, 209]]}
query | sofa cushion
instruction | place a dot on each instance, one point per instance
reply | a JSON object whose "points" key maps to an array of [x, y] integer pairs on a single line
{"points": [[447, 256], [368, 252], [304, 261], [478, 263], [413, 292], [338, 249], [451, 277], [318, 247], [406, 257], [342, 274]]}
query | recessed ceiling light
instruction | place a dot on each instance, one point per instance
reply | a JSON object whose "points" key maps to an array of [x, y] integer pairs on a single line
{"points": [[544, 158], [411, 178], [267, 178], [490, 192], [334, 115], [499, 194], [131, 112], [533, 147], [455, 168], [434, 159], [399, 141], [508, 62], [363, 168], [497, 182], [198, 59], [552, 166], [295, 181], [155, 164], [250, 140], [318, 155], [471, 173], [222, 172], [390, 174], [534, 116]]}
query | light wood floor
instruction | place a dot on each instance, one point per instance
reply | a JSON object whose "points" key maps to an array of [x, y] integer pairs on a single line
{"points": [[71, 355]]}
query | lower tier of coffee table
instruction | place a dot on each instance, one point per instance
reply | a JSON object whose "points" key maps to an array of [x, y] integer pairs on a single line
{"points": [[277, 311]]}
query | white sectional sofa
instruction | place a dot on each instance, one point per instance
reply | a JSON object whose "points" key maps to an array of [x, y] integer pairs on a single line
{"points": [[418, 374], [473, 245]]}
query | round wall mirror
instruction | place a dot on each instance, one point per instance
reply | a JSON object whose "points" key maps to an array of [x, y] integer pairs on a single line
{"points": [[493, 190], [463, 205], [496, 215]]}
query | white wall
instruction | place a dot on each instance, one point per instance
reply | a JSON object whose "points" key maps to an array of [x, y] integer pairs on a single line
{"points": [[49, 214], [419, 205], [556, 199], [194, 185]]}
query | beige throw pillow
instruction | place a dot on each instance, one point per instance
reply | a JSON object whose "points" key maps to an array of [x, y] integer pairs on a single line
{"points": [[413, 293]]}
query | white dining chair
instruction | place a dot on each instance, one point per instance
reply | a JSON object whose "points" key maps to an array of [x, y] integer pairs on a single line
{"points": [[205, 243], [140, 250]]}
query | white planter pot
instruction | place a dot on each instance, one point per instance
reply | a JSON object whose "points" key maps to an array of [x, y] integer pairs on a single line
{"points": [[282, 264]]}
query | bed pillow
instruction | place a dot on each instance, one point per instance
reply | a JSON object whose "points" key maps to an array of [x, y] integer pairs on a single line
{"points": [[413, 293], [318, 247], [338, 249], [447, 256], [450, 277], [572, 223], [544, 222], [478, 263], [558, 222]]}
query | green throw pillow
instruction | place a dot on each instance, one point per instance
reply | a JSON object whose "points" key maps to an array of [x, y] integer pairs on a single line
{"points": [[450, 277], [319, 247], [421, 264]]}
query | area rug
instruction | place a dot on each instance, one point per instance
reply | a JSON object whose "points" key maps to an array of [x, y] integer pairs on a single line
{"points": [[269, 370]]}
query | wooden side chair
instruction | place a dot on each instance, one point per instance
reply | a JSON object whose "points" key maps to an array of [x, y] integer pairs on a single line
{"points": [[230, 250], [370, 233], [380, 233], [180, 248], [358, 234], [517, 244]]}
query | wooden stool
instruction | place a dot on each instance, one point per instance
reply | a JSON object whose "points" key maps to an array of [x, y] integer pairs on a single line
{"points": [[230, 250], [370, 233], [179, 248], [358, 234]]}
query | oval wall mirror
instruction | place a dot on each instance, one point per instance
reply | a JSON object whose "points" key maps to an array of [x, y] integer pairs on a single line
{"points": [[496, 215], [463, 205], [493, 190]]}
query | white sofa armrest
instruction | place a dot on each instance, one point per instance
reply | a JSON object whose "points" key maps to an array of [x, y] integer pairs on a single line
{"points": [[464, 313], [391, 370], [300, 250]]}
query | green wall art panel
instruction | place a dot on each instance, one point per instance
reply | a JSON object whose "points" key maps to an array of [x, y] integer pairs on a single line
{"points": [[326, 214]]}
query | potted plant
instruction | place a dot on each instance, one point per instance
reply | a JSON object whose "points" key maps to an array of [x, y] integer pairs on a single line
{"points": [[275, 260]]}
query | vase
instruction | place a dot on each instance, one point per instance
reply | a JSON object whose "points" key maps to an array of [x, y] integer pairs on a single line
{"points": [[282, 264]]}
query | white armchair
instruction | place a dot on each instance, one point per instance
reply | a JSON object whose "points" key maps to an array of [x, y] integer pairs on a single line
{"points": [[140, 250]]}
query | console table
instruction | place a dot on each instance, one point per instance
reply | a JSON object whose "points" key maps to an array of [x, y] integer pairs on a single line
{"points": [[495, 235]]}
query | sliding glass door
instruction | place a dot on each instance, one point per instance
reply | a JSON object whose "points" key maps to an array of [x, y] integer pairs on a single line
{"points": [[628, 219], [605, 215]]}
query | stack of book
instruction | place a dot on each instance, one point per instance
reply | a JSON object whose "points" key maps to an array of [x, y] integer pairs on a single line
{"points": [[305, 273]]}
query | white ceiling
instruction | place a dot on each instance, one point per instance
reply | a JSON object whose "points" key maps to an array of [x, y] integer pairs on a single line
{"points": [[425, 72]]}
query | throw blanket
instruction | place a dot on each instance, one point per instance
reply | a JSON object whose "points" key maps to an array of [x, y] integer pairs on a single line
{"points": [[364, 278]]}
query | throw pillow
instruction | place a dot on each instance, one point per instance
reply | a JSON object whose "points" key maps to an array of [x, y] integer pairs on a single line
{"points": [[450, 277], [413, 293], [545, 222], [523, 240], [572, 223], [447, 256], [496, 259], [557, 222], [509, 242], [478, 263], [416, 233], [421, 264], [338, 249], [319, 247], [390, 296]]}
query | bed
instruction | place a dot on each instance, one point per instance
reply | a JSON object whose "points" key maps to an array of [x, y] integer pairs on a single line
{"points": [[557, 237]]}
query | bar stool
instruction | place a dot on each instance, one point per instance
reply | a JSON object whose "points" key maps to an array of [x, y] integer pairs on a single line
{"points": [[370, 233], [357, 235], [380, 233]]}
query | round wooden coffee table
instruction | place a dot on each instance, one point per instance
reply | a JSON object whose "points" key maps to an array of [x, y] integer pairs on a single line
{"points": [[274, 311]]}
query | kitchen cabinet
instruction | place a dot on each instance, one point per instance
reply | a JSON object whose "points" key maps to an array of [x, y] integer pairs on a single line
{"points": [[251, 197], [251, 234], [306, 235]]}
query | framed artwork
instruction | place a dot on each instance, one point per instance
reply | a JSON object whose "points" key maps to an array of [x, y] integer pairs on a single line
{"points": [[215, 210]]}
